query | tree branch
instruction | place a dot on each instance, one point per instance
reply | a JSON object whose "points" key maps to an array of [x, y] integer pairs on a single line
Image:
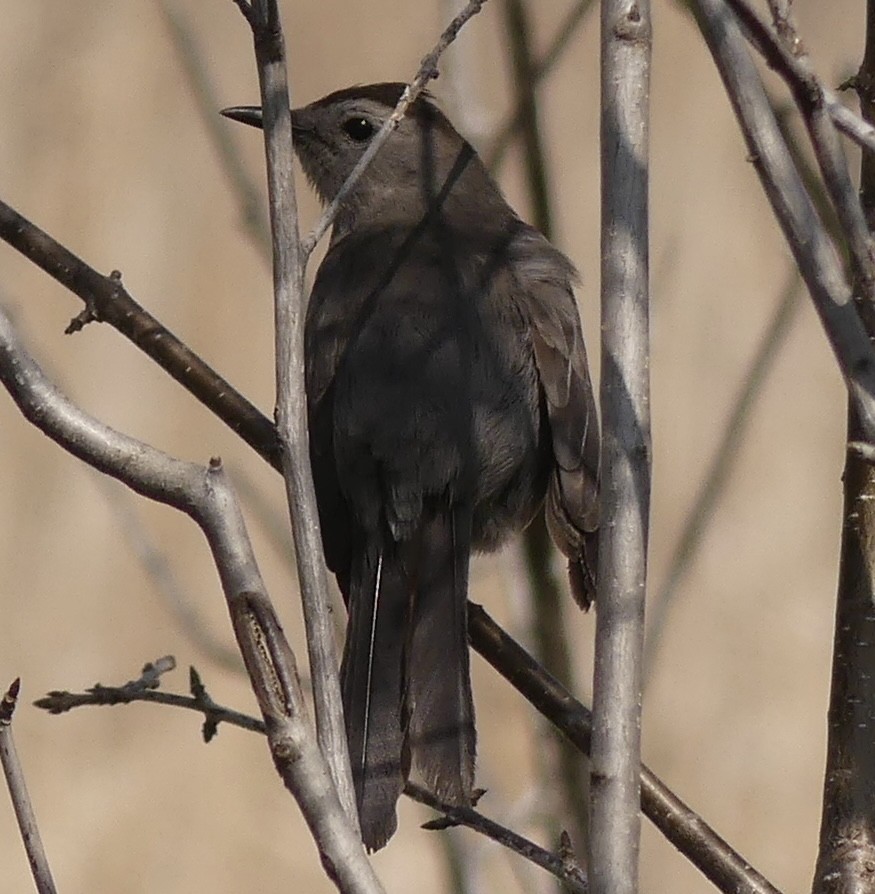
{"points": [[21, 803], [846, 852], [144, 689], [814, 252], [615, 824], [107, 301], [687, 831], [793, 64], [206, 496], [291, 404]]}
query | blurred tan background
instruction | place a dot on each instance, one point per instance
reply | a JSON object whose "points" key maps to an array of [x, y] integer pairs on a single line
{"points": [[101, 144]]}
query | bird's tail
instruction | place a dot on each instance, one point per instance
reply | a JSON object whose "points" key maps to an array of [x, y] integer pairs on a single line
{"points": [[405, 675], [441, 708], [372, 684]]}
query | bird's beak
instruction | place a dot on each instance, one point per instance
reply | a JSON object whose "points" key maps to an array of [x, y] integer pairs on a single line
{"points": [[250, 115]]}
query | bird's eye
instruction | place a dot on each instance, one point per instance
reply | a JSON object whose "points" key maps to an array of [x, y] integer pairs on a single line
{"points": [[358, 128]]}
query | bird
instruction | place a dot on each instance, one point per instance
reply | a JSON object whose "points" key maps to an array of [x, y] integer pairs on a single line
{"points": [[449, 402]]}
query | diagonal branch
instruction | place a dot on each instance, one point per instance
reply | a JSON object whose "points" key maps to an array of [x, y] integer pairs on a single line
{"points": [[206, 496], [427, 72], [812, 248], [793, 64], [685, 829], [145, 689], [107, 301]]}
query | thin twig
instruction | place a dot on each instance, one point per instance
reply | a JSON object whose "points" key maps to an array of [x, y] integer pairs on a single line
{"points": [[851, 125], [144, 689], [566, 869], [699, 517], [107, 301], [206, 496], [21, 803], [291, 404], [793, 64], [427, 71], [812, 248], [615, 824]]}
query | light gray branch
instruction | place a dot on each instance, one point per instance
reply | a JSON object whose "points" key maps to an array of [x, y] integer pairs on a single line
{"points": [[206, 495], [815, 254], [849, 123], [21, 803], [291, 404], [615, 822], [787, 55]]}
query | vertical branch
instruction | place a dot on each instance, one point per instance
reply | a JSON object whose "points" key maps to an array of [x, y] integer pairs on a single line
{"points": [[616, 760], [291, 412], [546, 594], [847, 835]]}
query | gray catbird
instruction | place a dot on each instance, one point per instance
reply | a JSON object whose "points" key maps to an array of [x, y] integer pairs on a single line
{"points": [[448, 397]]}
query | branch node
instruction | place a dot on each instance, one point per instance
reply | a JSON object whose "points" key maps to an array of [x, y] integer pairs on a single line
{"points": [[89, 314], [9, 701]]}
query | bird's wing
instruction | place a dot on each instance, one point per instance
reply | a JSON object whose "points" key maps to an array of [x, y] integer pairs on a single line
{"points": [[560, 357]]}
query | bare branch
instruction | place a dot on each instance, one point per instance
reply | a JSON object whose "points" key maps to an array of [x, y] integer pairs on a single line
{"points": [[565, 868], [145, 689], [851, 125], [206, 495], [107, 301], [793, 64], [814, 252], [427, 71], [685, 829], [615, 824], [846, 846], [291, 404], [21, 803]]}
